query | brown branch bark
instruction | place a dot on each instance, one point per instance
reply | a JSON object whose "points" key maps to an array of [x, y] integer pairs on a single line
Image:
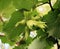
{"points": [[1, 19]]}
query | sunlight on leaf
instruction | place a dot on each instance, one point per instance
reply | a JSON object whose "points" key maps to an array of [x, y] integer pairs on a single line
{"points": [[43, 10], [53, 2]]}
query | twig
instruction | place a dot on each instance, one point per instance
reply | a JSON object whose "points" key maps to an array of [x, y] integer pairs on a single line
{"points": [[1, 19], [51, 5]]}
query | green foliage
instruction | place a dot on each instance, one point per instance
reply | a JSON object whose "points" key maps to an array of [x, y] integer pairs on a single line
{"points": [[6, 4], [43, 1], [26, 27], [27, 4], [40, 44], [11, 28], [57, 4]]}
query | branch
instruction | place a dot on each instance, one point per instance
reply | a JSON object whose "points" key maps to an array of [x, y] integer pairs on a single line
{"points": [[39, 5], [42, 4], [1, 19], [58, 46], [51, 5], [54, 40]]}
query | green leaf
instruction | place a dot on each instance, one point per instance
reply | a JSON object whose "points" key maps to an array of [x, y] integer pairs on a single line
{"points": [[35, 15], [24, 4], [57, 4], [11, 30], [16, 16], [53, 26], [29, 40], [41, 33], [43, 1], [43, 9], [53, 2], [55, 29], [4, 4], [50, 17], [4, 39], [8, 11]]}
